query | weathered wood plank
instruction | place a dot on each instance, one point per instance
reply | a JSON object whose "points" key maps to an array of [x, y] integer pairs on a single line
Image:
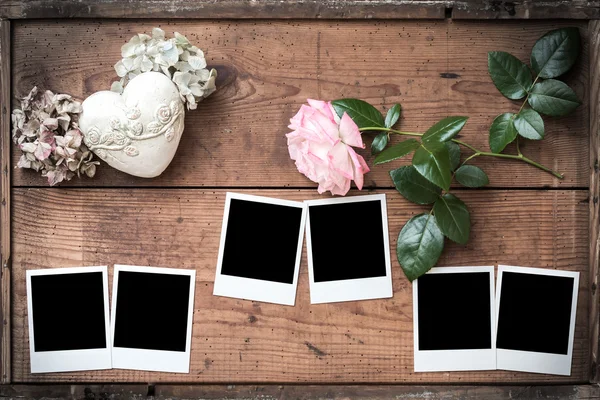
{"points": [[308, 9], [242, 9], [524, 9], [115, 392], [594, 196], [244, 341], [5, 190], [299, 392], [236, 137], [428, 392]]}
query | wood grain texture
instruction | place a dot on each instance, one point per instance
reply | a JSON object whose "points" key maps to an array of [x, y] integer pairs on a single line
{"points": [[5, 194], [244, 341], [311, 9], [594, 269], [237, 136], [299, 392]]}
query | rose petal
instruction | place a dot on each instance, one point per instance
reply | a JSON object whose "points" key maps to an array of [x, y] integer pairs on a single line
{"points": [[349, 132], [340, 160], [360, 168]]}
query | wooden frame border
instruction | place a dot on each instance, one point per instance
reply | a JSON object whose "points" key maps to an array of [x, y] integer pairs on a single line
{"points": [[594, 307], [288, 9], [5, 192], [300, 392], [307, 9]]}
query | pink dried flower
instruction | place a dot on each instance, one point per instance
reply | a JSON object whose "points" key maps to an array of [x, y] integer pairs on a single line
{"points": [[321, 144], [46, 131]]}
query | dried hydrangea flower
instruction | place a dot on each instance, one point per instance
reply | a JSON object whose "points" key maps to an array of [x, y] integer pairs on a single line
{"points": [[177, 58], [45, 129]]}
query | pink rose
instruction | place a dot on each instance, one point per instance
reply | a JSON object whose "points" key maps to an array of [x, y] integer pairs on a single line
{"points": [[321, 144]]}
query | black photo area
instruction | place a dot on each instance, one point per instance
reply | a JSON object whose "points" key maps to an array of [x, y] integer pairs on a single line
{"points": [[152, 311], [535, 313], [68, 312], [261, 241], [347, 241], [454, 311]]}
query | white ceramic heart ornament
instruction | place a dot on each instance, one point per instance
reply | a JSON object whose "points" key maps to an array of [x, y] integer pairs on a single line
{"points": [[136, 132]]}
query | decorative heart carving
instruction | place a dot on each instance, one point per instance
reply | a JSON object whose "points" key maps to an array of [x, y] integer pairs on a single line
{"points": [[136, 132]]}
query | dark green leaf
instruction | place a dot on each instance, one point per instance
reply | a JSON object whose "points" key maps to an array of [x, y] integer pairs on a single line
{"points": [[529, 124], [502, 132], [396, 151], [453, 218], [393, 115], [554, 98], [362, 113], [555, 52], [420, 244], [432, 160], [379, 142], [413, 186], [509, 74], [471, 176], [454, 151], [445, 129]]}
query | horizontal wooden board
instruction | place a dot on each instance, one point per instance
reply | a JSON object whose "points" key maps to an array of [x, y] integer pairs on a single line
{"points": [[300, 392], [338, 9], [269, 68], [244, 341]]}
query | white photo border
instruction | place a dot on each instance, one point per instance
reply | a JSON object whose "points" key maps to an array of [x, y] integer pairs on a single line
{"points": [[69, 360], [257, 289], [153, 360], [350, 289], [455, 360], [530, 361]]}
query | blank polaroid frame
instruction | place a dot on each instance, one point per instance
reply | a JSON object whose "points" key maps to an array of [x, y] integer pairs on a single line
{"points": [[348, 249], [68, 316], [546, 346], [152, 317], [434, 318], [260, 249]]}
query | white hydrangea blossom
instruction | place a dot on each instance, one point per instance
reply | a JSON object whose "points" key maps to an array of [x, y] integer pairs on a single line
{"points": [[177, 58]]}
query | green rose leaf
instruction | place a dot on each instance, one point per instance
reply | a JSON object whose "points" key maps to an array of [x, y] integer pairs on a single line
{"points": [[379, 142], [454, 151], [413, 186], [554, 98], [471, 176], [396, 151], [509, 74], [453, 218], [502, 132], [362, 113], [420, 244], [445, 129], [555, 52], [529, 124], [432, 160], [393, 115]]}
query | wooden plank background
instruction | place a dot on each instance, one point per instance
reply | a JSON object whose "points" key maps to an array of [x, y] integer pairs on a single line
{"points": [[235, 141], [244, 341], [267, 70]]}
